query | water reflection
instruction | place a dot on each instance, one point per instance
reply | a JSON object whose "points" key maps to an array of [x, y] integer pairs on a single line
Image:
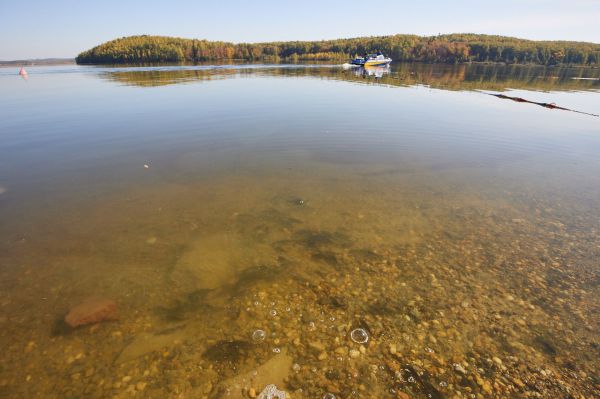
{"points": [[375, 71], [448, 77]]}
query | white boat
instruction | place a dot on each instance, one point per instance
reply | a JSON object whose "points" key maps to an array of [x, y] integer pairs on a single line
{"points": [[372, 60], [377, 59]]}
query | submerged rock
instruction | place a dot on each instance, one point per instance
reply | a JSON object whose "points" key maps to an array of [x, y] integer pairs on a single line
{"points": [[91, 311], [147, 342], [214, 261], [232, 351]]}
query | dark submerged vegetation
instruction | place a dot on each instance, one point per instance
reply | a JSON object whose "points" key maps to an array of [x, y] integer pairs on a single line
{"points": [[452, 48]]}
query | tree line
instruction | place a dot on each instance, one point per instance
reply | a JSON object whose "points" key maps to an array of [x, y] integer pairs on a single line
{"points": [[453, 48]]}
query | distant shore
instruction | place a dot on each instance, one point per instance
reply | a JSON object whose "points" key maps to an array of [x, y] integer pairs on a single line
{"points": [[40, 61], [448, 49]]}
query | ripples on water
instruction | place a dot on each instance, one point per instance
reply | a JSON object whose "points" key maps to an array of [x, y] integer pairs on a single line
{"points": [[332, 232]]}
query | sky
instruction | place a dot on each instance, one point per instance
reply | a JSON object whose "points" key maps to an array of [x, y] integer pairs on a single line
{"points": [[64, 28]]}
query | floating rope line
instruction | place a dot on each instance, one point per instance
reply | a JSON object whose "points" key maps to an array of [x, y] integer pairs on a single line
{"points": [[545, 105]]}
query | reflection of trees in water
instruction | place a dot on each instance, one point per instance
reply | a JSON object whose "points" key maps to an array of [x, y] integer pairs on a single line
{"points": [[150, 78], [448, 77]]}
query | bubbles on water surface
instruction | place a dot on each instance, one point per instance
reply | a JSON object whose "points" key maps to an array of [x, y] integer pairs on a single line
{"points": [[276, 350], [359, 335], [273, 312], [271, 392], [329, 395], [258, 335]]}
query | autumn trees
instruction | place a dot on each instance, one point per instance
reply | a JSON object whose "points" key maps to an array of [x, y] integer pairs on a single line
{"points": [[454, 48]]}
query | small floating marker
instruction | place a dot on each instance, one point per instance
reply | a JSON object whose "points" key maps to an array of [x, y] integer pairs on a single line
{"points": [[146, 166], [359, 335], [258, 335], [23, 72]]}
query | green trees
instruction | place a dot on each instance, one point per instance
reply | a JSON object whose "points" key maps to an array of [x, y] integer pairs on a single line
{"points": [[454, 48]]}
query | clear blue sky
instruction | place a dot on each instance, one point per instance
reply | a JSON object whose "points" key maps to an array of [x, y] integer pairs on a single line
{"points": [[63, 28]]}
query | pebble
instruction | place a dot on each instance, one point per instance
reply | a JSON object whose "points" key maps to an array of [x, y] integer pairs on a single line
{"points": [[393, 349], [460, 368], [518, 382], [322, 356], [497, 360], [316, 346], [252, 392], [354, 353], [206, 388], [485, 385], [342, 350], [30, 346]]}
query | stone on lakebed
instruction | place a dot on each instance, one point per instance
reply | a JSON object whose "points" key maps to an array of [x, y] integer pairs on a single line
{"points": [[91, 311]]}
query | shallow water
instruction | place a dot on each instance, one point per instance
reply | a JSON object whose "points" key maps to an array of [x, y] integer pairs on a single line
{"points": [[457, 229]]}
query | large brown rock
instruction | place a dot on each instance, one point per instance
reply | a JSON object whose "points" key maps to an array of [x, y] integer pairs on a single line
{"points": [[91, 311]]}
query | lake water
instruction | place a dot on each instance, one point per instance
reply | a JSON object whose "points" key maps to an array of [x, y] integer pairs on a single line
{"points": [[337, 233]]}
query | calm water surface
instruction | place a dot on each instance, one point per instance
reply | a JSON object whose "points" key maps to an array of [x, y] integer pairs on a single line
{"points": [[458, 231]]}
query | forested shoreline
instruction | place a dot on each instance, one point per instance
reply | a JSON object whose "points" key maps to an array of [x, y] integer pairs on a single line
{"points": [[453, 48]]}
